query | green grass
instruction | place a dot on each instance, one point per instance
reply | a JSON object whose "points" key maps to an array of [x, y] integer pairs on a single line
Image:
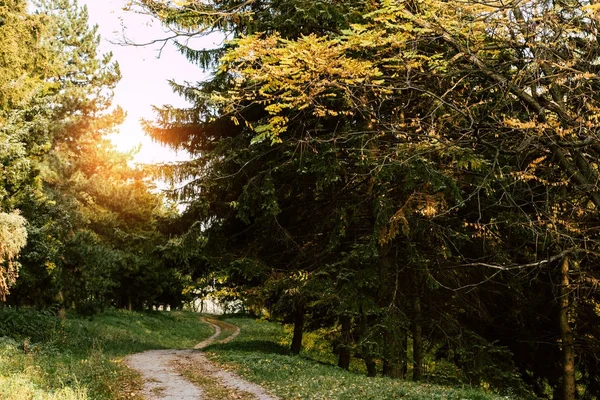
{"points": [[260, 354], [42, 357]]}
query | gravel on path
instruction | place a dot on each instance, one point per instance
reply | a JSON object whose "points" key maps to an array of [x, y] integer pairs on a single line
{"points": [[162, 381]]}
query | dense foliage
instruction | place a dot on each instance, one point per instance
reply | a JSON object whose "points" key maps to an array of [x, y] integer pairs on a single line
{"points": [[78, 224], [402, 173]]}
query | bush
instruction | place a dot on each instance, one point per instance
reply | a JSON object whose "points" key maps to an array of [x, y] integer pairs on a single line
{"points": [[37, 326]]}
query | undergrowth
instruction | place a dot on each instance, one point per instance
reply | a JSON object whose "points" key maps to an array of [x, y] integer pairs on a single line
{"points": [[43, 357], [260, 354]]}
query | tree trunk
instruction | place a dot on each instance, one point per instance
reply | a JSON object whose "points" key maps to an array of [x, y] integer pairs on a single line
{"points": [[62, 314], [367, 348], [344, 358], [390, 368], [298, 331], [417, 340], [344, 347], [385, 370], [395, 355], [403, 354], [566, 336], [371, 366]]}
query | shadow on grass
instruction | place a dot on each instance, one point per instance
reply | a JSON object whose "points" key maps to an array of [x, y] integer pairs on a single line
{"points": [[251, 346], [315, 360]]}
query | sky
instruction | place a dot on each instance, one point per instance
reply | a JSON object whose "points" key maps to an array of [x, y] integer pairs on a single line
{"points": [[145, 73]]}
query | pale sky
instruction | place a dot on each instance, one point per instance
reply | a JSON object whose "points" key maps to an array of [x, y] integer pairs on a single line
{"points": [[144, 76]]}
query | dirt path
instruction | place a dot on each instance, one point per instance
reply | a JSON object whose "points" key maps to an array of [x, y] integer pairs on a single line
{"points": [[215, 323], [161, 381], [163, 372]]}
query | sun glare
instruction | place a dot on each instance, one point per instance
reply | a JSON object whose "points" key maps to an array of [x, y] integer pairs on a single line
{"points": [[145, 73]]}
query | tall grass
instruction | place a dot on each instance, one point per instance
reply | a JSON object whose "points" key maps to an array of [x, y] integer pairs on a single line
{"points": [[43, 357]]}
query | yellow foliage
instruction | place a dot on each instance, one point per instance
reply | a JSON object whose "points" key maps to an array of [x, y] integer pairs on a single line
{"points": [[306, 74], [518, 124], [13, 237]]}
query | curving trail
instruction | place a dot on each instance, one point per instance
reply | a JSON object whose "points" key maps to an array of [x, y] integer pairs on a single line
{"points": [[163, 381], [215, 323]]}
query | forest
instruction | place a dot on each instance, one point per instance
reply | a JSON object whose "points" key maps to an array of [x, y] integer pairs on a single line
{"points": [[414, 182]]}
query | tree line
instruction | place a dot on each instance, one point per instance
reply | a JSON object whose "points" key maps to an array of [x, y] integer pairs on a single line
{"points": [[78, 226]]}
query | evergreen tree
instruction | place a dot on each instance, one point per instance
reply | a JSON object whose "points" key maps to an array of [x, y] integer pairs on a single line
{"points": [[423, 163]]}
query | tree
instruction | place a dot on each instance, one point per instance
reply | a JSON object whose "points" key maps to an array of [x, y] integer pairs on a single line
{"points": [[452, 144], [91, 219], [193, 130], [23, 67]]}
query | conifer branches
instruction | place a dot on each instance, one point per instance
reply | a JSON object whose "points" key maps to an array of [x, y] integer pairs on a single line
{"points": [[421, 147]]}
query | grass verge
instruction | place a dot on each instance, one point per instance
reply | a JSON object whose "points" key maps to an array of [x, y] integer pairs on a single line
{"points": [[45, 358], [259, 355]]}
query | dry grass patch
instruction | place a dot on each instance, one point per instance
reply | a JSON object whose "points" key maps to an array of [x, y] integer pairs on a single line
{"points": [[201, 374]]}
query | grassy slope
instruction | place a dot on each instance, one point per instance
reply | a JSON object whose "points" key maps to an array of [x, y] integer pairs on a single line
{"points": [[81, 359], [260, 356]]}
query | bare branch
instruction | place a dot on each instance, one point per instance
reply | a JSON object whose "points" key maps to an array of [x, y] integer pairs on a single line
{"points": [[548, 260]]}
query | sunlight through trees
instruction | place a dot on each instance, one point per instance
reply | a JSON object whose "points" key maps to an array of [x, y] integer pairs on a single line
{"points": [[415, 182]]}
